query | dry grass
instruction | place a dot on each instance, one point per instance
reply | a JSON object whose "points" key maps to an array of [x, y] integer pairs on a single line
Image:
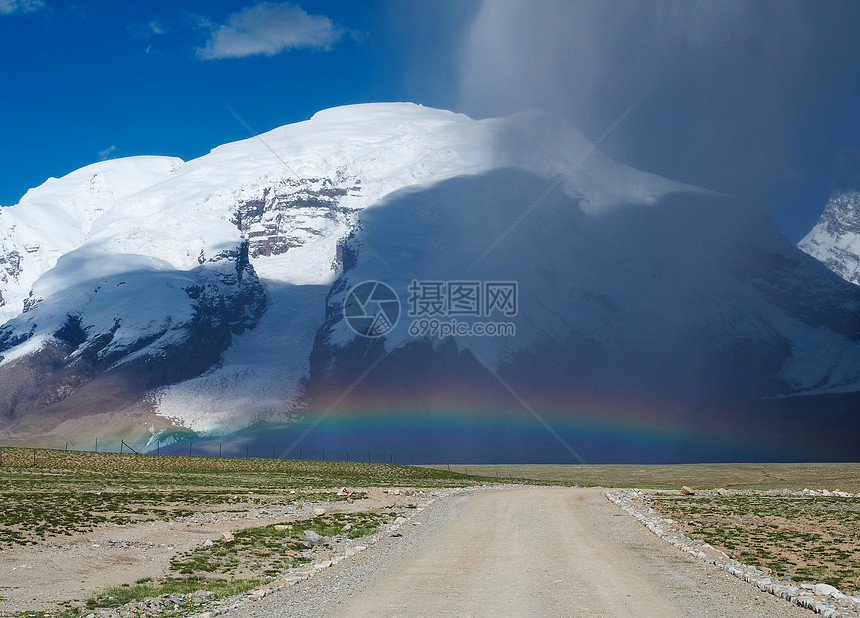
{"points": [[844, 476], [306, 472]]}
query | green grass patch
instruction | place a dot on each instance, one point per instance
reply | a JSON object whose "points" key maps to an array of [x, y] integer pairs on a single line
{"points": [[117, 596], [268, 550]]}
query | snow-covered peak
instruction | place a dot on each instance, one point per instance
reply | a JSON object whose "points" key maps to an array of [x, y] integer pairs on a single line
{"points": [[835, 240], [383, 147], [55, 218]]}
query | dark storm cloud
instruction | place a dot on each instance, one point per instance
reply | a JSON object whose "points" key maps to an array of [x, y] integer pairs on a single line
{"points": [[728, 92], [848, 176]]}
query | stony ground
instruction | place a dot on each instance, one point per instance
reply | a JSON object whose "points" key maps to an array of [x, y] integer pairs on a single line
{"points": [[39, 577]]}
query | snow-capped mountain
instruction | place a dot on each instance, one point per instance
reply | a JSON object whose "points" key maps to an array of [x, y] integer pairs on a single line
{"points": [[835, 240], [151, 293]]}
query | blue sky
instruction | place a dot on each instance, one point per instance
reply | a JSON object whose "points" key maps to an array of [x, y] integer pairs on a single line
{"points": [[92, 79], [755, 99]]}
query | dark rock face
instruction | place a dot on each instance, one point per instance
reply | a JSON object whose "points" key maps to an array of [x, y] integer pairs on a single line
{"points": [[10, 265], [10, 268], [293, 212], [842, 214]]}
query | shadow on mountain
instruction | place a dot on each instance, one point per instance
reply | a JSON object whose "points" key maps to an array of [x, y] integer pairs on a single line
{"points": [[672, 330]]}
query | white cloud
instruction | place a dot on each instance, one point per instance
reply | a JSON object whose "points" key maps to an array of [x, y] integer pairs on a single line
{"points": [[267, 29], [107, 152], [156, 27], [7, 7], [149, 29]]}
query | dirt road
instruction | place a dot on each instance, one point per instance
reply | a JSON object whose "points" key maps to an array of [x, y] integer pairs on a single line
{"points": [[523, 552]]}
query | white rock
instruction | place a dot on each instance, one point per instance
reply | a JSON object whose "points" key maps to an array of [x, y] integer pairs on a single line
{"points": [[228, 537], [208, 543], [399, 521], [312, 538], [824, 589], [347, 528], [292, 492], [687, 491], [722, 492], [319, 511]]}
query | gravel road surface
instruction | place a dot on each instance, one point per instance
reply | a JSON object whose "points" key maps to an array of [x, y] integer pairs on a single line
{"points": [[522, 552]]}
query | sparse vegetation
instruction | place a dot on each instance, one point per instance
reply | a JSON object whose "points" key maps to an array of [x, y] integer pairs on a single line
{"points": [[845, 476], [270, 550], [66, 493], [170, 588], [807, 538]]}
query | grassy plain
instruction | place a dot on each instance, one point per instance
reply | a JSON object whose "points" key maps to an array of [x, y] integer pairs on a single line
{"points": [[71, 492], [795, 476]]}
